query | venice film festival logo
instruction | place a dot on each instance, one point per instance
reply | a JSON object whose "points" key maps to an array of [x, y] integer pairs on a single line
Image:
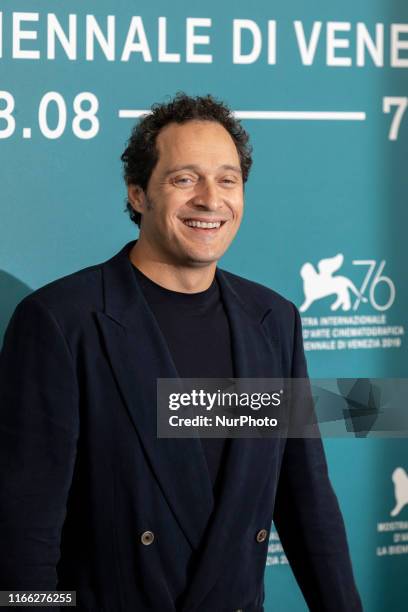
{"points": [[323, 283], [344, 327], [400, 480], [393, 534]]}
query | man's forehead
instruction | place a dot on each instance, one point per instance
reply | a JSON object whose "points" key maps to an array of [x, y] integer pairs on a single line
{"points": [[191, 130], [185, 139]]}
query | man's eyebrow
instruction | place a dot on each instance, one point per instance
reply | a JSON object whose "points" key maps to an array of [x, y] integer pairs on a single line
{"points": [[196, 168]]}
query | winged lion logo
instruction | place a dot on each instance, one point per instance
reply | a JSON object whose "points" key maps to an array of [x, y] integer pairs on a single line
{"points": [[322, 283]]}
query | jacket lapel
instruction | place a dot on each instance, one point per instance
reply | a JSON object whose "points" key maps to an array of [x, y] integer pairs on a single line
{"points": [[250, 462], [139, 355]]}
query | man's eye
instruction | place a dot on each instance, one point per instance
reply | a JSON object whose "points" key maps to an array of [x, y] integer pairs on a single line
{"points": [[184, 180], [229, 181]]}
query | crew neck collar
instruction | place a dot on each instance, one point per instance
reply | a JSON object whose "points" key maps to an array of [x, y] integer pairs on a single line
{"points": [[179, 296]]}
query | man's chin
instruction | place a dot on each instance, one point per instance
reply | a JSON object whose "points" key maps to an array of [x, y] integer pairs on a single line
{"points": [[204, 257], [198, 256], [200, 262]]}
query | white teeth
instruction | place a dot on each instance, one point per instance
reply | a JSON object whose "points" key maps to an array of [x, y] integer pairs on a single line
{"points": [[202, 224]]}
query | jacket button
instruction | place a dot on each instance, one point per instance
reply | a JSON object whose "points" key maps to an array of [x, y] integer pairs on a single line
{"points": [[147, 537], [261, 535]]}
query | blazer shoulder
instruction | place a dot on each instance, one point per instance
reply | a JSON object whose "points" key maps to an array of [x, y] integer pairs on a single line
{"points": [[78, 291], [260, 294], [278, 315]]}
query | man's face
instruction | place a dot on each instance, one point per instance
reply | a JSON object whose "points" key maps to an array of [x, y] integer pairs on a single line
{"points": [[196, 180]]}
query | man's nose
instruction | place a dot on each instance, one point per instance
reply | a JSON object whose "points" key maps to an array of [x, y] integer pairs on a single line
{"points": [[207, 195]]}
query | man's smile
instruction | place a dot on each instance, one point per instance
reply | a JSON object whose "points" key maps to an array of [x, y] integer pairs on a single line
{"points": [[202, 226]]}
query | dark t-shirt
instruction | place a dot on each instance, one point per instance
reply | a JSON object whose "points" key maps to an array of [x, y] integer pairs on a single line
{"points": [[196, 329]]}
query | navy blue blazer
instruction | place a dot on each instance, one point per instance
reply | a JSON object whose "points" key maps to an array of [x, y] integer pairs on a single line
{"points": [[84, 477]]}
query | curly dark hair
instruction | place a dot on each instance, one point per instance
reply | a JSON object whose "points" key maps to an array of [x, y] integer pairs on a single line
{"points": [[141, 155]]}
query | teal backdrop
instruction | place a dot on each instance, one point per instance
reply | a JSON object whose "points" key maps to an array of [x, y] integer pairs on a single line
{"points": [[326, 215]]}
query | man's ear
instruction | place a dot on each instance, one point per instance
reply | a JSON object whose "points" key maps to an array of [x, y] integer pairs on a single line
{"points": [[137, 198]]}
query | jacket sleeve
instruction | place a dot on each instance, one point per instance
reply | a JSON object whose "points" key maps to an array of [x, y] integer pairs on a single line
{"points": [[308, 518], [38, 433]]}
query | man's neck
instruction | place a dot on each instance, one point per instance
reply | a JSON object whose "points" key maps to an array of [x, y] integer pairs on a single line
{"points": [[185, 279]]}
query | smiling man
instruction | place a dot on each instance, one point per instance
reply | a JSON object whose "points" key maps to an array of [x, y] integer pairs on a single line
{"points": [[193, 204], [91, 500]]}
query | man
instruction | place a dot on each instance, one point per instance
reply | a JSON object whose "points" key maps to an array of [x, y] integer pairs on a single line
{"points": [[91, 499]]}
